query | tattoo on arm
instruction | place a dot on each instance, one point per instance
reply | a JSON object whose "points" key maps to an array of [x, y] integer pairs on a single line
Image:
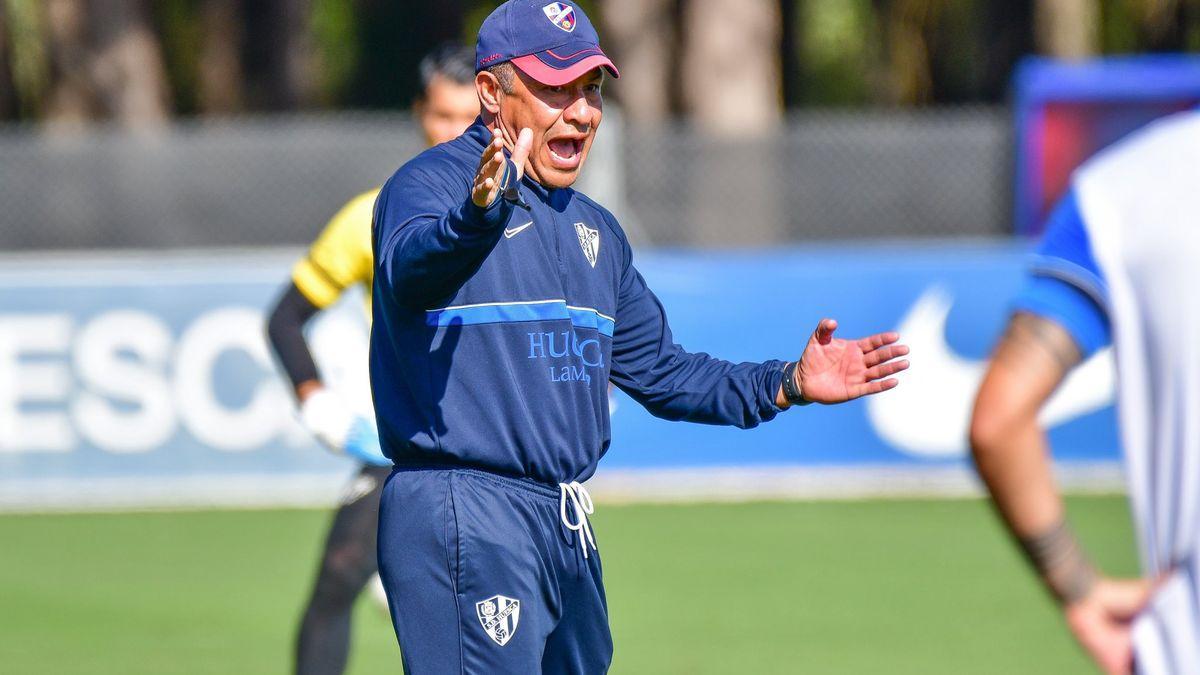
{"points": [[1029, 334], [1059, 558]]}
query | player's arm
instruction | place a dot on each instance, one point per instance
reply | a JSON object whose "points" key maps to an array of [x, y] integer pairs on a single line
{"points": [[285, 333], [428, 238], [1060, 320], [338, 259], [1012, 456], [675, 384]]}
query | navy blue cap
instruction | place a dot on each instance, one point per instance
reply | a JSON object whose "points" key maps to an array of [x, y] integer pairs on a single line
{"points": [[552, 42]]}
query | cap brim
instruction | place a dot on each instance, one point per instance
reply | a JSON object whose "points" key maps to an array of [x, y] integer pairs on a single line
{"points": [[538, 66]]}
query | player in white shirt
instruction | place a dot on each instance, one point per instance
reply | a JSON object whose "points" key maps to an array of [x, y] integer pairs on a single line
{"points": [[1119, 263]]}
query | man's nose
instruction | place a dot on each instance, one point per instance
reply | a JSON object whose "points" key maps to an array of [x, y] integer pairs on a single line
{"points": [[580, 113]]}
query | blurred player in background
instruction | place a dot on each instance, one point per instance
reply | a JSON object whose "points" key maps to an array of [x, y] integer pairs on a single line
{"points": [[338, 259], [1119, 263]]}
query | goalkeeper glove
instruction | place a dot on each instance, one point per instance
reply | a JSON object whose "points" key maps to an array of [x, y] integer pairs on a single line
{"points": [[340, 430]]}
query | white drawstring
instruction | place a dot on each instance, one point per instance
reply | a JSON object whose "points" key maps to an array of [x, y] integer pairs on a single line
{"points": [[582, 503]]}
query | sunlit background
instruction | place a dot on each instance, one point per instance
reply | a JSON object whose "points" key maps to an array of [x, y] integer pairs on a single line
{"points": [[885, 162]]}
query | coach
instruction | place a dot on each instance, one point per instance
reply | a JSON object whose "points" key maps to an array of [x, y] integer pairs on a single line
{"points": [[504, 304]]}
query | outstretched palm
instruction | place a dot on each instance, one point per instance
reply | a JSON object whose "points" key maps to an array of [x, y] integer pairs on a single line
{"points": [[833, 370]]}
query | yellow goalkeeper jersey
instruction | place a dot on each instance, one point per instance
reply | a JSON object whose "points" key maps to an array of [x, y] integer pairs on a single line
{"points": [[341, 255]]}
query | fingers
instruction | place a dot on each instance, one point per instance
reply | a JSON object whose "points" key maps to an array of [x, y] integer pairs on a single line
{"points": [[491, 150], [1124, 598], [878, 340], [883, 354], [824, 332], [490, 177], [487, 178], [886, 369], [875, 387], [520, 152]]}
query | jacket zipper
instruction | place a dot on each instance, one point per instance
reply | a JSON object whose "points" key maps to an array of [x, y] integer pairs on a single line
{"points": [[562, 264]]}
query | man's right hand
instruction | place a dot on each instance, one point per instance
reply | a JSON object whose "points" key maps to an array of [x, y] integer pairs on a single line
{"points": [[490, 178], [1101, 621]]}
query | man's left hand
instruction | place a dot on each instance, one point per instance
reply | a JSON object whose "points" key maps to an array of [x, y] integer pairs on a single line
{"points": [[833, 370]]}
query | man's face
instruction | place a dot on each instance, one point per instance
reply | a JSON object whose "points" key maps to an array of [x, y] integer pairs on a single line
{"points": [[563, 119], [447, 109]]}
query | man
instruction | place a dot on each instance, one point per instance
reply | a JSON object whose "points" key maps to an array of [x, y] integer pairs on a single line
{"points": [[504, 304], [341, 258], [1118, 263]]}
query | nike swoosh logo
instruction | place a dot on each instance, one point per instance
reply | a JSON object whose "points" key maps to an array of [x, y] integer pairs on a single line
{"points": [[510, 232], [929, 415]]}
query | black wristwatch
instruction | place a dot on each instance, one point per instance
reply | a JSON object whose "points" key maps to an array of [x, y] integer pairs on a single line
{"points": [[510, 187], [791, 390]]}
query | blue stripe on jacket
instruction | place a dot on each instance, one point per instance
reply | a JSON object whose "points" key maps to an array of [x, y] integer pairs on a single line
{"points": [[512, 312]]}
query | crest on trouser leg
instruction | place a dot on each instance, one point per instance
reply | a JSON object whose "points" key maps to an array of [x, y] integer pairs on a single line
{"points": [[499, 616]]}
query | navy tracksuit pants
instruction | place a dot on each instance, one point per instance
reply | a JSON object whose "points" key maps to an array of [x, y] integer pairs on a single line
{"points": [[482, 576]]}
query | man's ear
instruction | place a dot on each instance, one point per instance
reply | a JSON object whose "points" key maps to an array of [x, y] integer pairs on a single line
{"points": [[489, 90]]}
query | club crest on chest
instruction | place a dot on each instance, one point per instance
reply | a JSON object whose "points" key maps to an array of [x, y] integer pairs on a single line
{"points": [[589, 241], [499, 616]]}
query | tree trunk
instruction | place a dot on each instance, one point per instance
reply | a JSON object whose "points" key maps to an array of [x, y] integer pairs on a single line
{"points": [[732, 94], [220, 64], [791, 45], [71, 99], [1011, 27], [280, 58], [1163, 26], [1067, 29], [131, 79], [106, 63], [731, 66], [642, 36], [909, 23]]}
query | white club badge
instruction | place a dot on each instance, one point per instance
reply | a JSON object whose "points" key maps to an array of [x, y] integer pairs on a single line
{"points": [[499, 616], [589, 241], [561, 15]]}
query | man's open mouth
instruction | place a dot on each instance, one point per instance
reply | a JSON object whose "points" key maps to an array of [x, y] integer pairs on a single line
{"points": [[565, 152]]}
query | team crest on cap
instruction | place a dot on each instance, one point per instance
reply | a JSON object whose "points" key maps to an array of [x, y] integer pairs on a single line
{"points": [[589, 241], [499, 617], [561, 15]]}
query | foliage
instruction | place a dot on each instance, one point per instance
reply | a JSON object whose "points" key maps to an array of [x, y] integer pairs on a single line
{"points": [[841, 52]]}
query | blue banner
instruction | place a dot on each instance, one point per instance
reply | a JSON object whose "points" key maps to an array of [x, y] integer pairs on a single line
{"points": [[949, 302], [139, 371]]}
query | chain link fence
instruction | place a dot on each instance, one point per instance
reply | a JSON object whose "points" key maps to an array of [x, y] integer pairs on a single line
{"points": [[275, 180], [828, 175]]}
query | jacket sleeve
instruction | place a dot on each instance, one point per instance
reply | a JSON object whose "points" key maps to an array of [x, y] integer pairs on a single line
{"points": [[430, 237], [677, 385]]}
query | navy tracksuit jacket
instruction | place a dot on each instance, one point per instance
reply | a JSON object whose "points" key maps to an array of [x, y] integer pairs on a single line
{"points": [[495, 334], [492, 346]]}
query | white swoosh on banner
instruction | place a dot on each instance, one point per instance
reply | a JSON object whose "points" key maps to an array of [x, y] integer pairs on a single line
{"points": [[929, 413]]}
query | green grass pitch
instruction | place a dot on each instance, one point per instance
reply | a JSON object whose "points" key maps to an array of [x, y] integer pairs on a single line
{"points": [[912, 586]]}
